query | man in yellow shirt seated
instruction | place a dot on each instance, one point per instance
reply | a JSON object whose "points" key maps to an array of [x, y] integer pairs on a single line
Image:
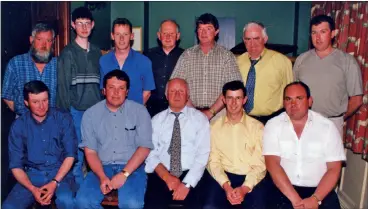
{"points": [[236, 163], [265, 74]]}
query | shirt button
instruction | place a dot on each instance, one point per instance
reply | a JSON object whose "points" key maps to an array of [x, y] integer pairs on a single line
{"points": [[45, 152], [115, 126], [115, 138], [114, 114], [114, 151]]}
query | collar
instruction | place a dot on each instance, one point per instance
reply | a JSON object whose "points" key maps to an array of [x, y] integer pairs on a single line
{"points": [[310, 119], [120, 109], [161, 51], [262, 54], [198, 49], [184, 111], [243, 120], [42, 122], [130, 55], [76, 45]]}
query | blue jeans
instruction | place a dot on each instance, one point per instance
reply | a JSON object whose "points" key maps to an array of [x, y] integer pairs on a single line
{"points": [[78, 166], [22, 198], [130, 195]]}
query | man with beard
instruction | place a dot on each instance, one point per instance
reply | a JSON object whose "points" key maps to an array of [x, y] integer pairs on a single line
{"points": [[42, 149], [37, 64], [163, 58]]}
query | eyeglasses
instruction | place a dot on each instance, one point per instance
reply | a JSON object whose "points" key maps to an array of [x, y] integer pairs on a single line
{"points": [[81, 24]]}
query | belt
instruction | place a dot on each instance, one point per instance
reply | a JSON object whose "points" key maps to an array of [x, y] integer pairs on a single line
{"points": [[202, 108], [337, 116]]}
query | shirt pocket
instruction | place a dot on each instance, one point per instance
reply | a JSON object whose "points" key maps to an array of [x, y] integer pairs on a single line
{"points": [[131, 133], [287, 149], [55, 145], [314, 151]]}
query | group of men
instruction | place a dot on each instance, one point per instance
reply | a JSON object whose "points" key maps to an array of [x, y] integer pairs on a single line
{"points": [[85, 107]]}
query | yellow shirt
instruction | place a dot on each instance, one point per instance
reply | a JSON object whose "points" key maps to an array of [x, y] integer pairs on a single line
{"points": [[273, 73], [237, 149]]}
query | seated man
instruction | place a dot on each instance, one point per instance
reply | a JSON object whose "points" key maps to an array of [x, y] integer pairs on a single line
{"points": [[42, 149], [303, 152], [236, 163], [116, 138], [181, 137]]}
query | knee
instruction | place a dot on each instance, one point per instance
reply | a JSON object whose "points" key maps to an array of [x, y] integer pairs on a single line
{"points": [[64, 200], [131, 204]]}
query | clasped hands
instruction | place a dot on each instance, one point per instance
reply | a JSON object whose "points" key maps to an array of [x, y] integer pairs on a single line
{"points": [[307, 203], [174, 184], [235, 195], [117, 181], [44, 194]]}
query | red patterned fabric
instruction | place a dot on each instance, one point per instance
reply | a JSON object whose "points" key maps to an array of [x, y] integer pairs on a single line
{"points": [[351, 19]]}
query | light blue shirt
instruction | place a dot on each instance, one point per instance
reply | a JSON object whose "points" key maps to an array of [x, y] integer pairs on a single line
{"points": [[115, 136], [195, 142]]}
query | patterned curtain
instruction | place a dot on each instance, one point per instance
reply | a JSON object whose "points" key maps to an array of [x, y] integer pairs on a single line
{"points": [[351, 20]]}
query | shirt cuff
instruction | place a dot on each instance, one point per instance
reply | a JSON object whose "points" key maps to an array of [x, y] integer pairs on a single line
{"points": [[151, 165]]}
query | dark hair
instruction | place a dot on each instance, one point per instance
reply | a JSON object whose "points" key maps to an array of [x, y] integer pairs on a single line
{"points": [[207, 18], [83, 13], [119, 74], [305, 86], [121, 21], [233, 86], [34, 87], [320, 19]]}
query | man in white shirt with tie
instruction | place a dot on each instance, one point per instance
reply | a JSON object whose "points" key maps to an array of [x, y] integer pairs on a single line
{"points": [[181, 138], [303, 152]]}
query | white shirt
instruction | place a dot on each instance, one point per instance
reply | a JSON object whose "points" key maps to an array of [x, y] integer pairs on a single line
{"points": [[195, 142], [304, 160]]}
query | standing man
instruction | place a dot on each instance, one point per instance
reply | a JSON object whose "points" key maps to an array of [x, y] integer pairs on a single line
{"points": [[236, 163], [333, 76], [163, 58], [303, 152], [265, 73], [42, 149], [79, 77], [37, 64], [207, 67], [123, 57], [181, 138], [116, 138]]}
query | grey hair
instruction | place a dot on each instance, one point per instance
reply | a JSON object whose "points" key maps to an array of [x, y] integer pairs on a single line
{"points": [[42, 27], [186, 84], [253, 23], [172, 21]]}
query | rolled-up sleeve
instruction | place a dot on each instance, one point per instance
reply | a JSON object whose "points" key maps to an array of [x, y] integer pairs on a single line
{"points": [[16, 146], [148, 80], [87, 131], [144, 129], [69, 141], [270, 140]]}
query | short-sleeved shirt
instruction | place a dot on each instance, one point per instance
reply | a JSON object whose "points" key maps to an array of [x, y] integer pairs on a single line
{"points": [[22, 69], [162, 66], [332, 80], [137, 66], [303, 160], [115, 136], [273, 73], [206, 74], [42, 145]]}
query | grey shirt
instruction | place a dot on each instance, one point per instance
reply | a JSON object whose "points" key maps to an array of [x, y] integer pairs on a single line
{"points": [[115, 136], [332, 80]]}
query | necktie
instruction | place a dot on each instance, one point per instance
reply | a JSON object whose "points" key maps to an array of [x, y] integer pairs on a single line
{"points": [[175, 148], [250, 86]]}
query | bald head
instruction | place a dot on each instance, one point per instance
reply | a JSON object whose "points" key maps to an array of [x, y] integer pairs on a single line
{"points": [[177, 93]]}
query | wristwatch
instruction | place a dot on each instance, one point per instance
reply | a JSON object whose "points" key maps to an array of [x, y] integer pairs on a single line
{"points": [[57, 182], [318, 200], [125, 173], [188, 186]]}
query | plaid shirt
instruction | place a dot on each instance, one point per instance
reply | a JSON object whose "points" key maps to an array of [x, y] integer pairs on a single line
{"points": [[22, 69], [206, 73]]}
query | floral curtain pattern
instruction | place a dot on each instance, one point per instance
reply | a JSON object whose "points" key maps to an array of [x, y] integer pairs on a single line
{"points": [[351, 19]]}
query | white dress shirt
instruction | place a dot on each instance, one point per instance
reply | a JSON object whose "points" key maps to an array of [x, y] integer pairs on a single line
{"points": [[195, 142], [304, 160]]}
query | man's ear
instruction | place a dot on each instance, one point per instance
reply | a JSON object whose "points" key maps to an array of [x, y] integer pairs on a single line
{"points": [[245, 100], [31, 39], [72, 24], [26, 103], [104, 91], [310, 101], [178, 36]]}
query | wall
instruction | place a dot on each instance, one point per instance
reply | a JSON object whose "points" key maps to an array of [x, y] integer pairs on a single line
{"points": [[101, 33], [277, 16], [354, 183]]}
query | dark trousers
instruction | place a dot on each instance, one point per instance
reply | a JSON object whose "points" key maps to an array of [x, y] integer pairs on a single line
{"points": [[216, 196], [158, 195], [278, 200], [264, 119]]}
